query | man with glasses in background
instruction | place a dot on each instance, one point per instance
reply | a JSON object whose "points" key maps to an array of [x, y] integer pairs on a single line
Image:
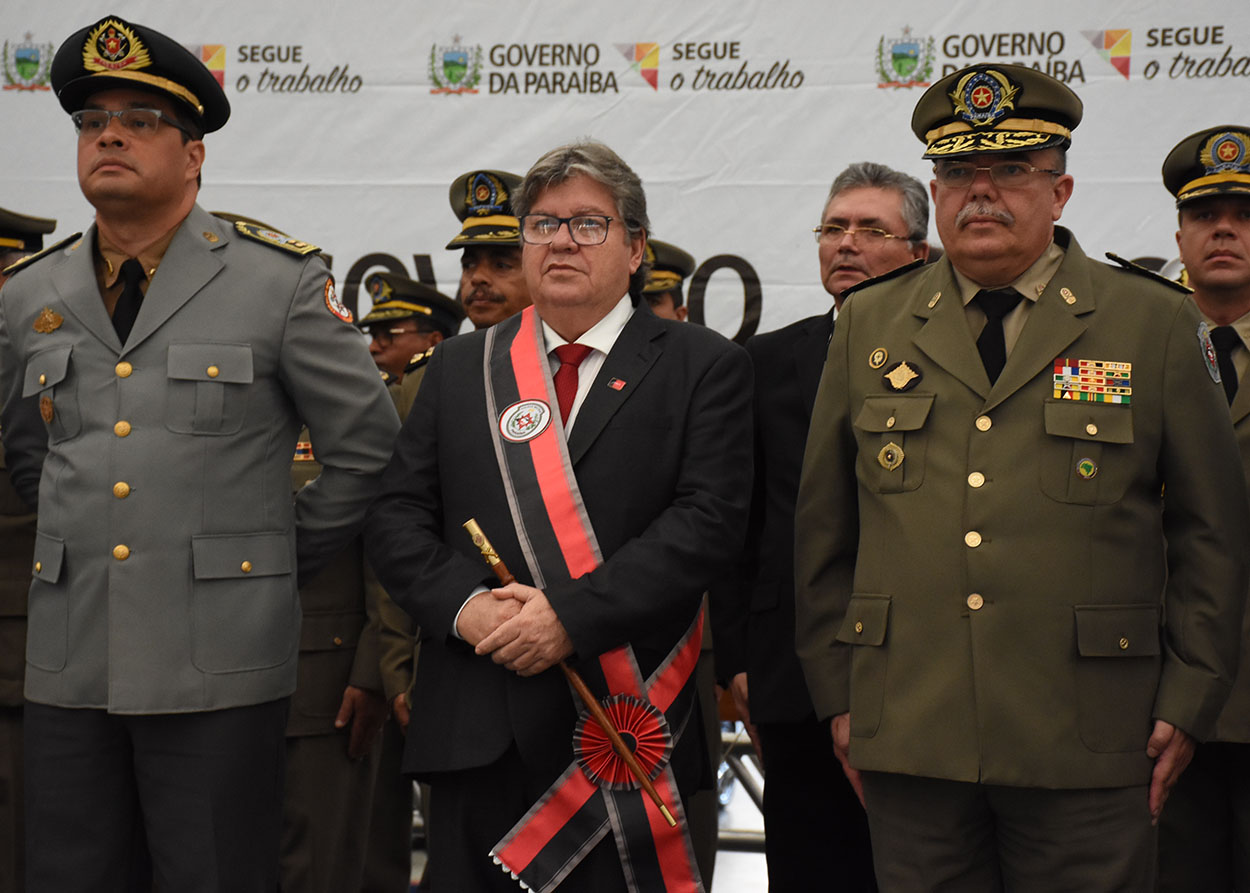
{"points": [[534, 428], [173, 356], [875, 220], [1021, 527]]}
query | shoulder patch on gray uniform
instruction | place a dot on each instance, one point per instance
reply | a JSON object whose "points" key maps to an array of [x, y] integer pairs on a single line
{"points": [[30, 259], [1149, 274], [274, 238]]}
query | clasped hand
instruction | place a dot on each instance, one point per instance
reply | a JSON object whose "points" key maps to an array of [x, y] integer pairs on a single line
{"points": [[517, 627]]}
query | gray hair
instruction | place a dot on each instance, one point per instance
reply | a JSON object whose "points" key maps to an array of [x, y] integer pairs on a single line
{"points": [[915, 208], [594, 160]]}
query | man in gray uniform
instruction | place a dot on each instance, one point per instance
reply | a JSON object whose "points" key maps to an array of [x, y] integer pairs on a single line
{"points": [[172, 357], [20, 236]]}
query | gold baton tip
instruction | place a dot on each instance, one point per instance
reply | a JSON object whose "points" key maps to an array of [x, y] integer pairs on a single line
{"points": [[668, 816]]}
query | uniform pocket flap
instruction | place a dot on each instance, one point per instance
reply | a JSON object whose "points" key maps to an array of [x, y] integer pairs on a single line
{"points": [[764, 596], [1117, 630], [331, 632], [218, 556], [866, 619], [894, 412], [229, 363], [1104, 422], [49, 555], [45, 369]]}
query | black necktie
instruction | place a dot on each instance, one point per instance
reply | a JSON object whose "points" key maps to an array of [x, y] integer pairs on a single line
{"points": [[1225, 339], [127, 309], [992, 346]]}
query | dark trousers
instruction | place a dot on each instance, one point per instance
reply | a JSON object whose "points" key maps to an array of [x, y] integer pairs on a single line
{"points": [[1204, 834], [388, 868], [815, 830], [12, 848], [184, 802], [958, 837]]}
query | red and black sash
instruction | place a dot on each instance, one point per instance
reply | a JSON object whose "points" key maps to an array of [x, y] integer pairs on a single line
{"points": [[597, 792]]}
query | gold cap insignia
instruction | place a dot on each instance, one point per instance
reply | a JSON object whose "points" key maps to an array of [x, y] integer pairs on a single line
{"points": [[47, 321], [982, 97], [113, 47]]}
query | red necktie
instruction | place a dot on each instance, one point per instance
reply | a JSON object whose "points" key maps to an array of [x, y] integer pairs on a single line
{"points": [[570, 357]]}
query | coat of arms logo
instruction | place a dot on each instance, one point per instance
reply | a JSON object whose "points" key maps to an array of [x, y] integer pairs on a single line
{"points": [[456, 68], [905, 61], [27, 64]]}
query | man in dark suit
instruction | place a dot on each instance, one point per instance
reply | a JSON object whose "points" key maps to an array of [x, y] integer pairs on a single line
{"points": [[1204, 834], [875, 219], [611, 580]]}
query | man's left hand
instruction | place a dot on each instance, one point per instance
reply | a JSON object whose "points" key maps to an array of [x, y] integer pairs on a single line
{"points": [[365, 711], [1171, 749], [532, 641]]}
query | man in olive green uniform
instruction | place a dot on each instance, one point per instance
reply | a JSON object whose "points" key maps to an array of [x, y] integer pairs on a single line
{"points": [[492, 287], [1204, 835], [986, 608], [20, 235], [408, 320]]}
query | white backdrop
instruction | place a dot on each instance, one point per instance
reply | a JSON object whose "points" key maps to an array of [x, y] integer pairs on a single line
{"points": [[350, 120]]}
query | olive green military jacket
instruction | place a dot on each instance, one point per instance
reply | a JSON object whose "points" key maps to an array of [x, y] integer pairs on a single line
{"points": [[17, 545], [982, 578], [1234, 721]]}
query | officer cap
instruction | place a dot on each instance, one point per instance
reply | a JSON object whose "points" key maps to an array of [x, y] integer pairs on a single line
{"points": [[1210, 162], [483, 202], [21, 232], [994, 107], [397, 297], [115, 53], [668, 266]]}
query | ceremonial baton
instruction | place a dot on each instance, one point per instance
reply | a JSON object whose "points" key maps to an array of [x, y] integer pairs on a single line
{"points": [[575, 679]]}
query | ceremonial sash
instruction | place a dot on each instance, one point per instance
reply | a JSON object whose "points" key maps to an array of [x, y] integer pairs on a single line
{"points": [[597, 793]]}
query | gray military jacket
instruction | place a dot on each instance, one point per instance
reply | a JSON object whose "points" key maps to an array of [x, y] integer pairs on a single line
{"points": [[166, 555]]}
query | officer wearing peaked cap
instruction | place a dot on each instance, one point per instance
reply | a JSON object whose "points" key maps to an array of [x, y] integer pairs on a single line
{"points": [[1204, 834], [20, 235], [172, 356], [667, 268], [408, 319], [492, 287], [1015, 638]]}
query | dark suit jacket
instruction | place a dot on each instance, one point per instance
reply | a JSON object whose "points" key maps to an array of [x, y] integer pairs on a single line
{"points": [[664, 468], [753, 614]]}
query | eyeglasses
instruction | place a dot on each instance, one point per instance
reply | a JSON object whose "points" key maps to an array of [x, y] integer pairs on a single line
{"points": [[1007, 174], [587, 229], [136, 122], [866, 235], [386, 337]]}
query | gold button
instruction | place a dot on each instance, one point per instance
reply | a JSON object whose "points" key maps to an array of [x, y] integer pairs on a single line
{"points": [[123, 369], [338, 641], [121, 553], [213, 371], [972, 538], [43, 379], [121, 489], [38, 566], [976, 479], [889, 423], [246, 567], [122, 429], [1091, 429], [859, 626], [984, 423], [1124, 644], [975, 602]]}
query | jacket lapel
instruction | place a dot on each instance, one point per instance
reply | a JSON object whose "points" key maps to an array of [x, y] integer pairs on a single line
{"points": [[945, 337], [1052, 325], [188, 265], [809, 357], [632, 356], [1241, 401], [75, 282]]}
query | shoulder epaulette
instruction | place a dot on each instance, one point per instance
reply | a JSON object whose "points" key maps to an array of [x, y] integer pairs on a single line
{"points": [[274, 238], [31, 258], [418, 360], [1149, 274], [884, 277]]}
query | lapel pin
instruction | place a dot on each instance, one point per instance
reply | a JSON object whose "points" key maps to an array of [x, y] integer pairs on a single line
{"points": [[616, 384], [47, 321], [877, 358], [933, 300]]}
